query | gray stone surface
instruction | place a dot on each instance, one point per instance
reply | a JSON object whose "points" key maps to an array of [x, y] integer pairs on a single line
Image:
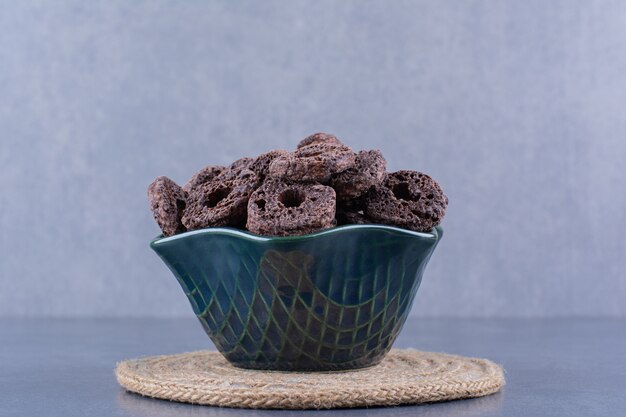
{"points": [[516, 107], [554, 367]]}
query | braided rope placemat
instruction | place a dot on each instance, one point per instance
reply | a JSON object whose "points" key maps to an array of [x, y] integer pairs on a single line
{"points": [[405, 376]]}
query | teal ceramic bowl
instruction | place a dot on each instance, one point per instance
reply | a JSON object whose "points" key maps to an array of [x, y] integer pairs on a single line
{"points": [[331, 300]]}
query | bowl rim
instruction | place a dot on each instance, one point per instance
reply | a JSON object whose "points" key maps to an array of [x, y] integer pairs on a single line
{"points": [[435, 233]]}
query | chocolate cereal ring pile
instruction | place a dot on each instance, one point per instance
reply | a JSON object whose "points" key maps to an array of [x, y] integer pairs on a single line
{"points": [[321, 184]]}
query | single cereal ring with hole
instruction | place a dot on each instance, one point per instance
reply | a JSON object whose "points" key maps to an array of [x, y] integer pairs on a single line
{"points": [[167, 202], [280, 208], [407, 199], [367, 172], [313, 163], [221, 202], [203, 176]]}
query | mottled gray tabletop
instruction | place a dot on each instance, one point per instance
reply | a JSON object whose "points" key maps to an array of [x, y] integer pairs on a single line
{"points": [[557, 367]]}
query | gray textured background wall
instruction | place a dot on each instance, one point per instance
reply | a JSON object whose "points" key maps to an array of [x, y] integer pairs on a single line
{"points": [[517, 108]]}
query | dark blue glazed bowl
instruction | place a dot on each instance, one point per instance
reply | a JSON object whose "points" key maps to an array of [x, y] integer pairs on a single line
{"points": [[331, 300]]}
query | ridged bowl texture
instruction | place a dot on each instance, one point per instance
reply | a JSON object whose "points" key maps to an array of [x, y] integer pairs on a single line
{"points": [[332, 300]]}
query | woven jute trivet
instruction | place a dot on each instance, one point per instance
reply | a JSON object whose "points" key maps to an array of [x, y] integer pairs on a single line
{"points": [[405, 376]]}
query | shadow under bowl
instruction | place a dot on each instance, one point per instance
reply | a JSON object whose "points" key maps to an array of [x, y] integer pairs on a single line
{"points": [[332, 300]]}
